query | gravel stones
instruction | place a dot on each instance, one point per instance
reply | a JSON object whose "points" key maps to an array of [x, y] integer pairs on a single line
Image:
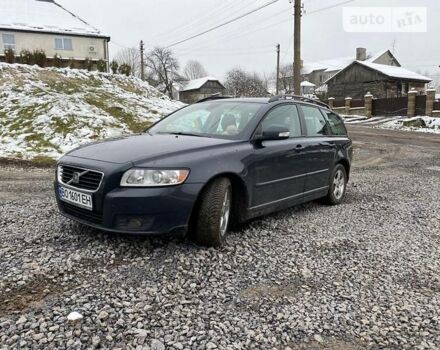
{"points": [[360, 275]]}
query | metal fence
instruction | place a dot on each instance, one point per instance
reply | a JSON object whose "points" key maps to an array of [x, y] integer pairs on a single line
{"points": [[339, 103], [421, 105], [390, 107], [357, 103]]}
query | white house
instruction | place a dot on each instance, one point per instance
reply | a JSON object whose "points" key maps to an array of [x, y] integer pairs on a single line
{"points": [[46, 25]]}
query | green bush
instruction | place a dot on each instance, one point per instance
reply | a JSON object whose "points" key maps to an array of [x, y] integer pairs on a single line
{"points": [[26, 57], [114, 66], [101, 65], [40, 58], [57, 61], [9, 56], [125, 69]]}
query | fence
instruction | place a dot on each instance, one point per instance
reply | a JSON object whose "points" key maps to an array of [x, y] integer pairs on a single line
{"points": [[411, 105], [421, 105], [390, 107], [357, 103]]}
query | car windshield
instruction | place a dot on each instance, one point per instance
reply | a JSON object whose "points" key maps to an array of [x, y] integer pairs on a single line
{"points": [[210, 119]]}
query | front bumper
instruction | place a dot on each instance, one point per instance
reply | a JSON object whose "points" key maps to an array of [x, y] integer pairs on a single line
{"points": [[161, 210]]}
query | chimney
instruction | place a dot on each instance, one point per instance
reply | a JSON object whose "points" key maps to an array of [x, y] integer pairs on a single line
{"points": [[361, 54]]}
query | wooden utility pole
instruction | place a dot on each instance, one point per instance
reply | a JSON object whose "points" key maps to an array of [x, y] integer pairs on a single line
{"points": [[297, 48], [142, 60], [278, 70]]}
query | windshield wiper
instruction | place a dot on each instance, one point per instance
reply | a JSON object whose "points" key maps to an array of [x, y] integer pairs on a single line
{"points": [[182, 133]]}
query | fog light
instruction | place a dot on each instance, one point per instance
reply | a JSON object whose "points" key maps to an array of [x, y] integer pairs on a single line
{"points": [[134, 222]]}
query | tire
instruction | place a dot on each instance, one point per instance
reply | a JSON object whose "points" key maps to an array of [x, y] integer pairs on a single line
{"points": [[337, 186], [213, 214]]}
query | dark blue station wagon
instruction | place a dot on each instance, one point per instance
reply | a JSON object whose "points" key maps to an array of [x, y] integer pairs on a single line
{"points": [[208, 167]]}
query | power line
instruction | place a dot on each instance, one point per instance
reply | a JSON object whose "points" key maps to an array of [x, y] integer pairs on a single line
{"points": [[223, 24], [189, 24]]}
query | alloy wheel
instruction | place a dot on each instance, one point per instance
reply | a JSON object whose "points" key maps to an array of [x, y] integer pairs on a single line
{"points": [[338, 184], [224, 217]]}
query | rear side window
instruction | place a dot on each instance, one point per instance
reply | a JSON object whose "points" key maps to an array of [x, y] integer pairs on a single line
{"points": [[286, 116], [316, 124], [337, 127]]}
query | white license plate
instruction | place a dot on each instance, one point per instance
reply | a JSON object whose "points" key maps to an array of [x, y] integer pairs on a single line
{"points": [[75, 197]]}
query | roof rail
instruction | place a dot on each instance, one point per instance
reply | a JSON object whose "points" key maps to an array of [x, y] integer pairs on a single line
{"points": [[298, 98], [212, 97]]}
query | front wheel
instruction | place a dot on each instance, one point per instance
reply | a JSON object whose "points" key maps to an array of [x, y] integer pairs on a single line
{"points": [[213, 213], [337, 185]]}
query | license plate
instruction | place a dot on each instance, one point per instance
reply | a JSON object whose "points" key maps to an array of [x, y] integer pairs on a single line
{"points": [[75, 197]]}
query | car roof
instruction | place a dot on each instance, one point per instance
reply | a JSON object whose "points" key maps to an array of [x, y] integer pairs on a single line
{"points": [[261, 100], [267, 100]]}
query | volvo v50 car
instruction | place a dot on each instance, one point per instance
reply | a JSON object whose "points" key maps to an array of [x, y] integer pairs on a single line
{"points": [[208, 167]]}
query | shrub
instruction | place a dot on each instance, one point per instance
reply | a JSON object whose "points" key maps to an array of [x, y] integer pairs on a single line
{"points": [[57, 61], [26, 57], [102, 66], [71, 63], [114, 66], [125, 69], [40, 58], [9, 56], [88, 63]]}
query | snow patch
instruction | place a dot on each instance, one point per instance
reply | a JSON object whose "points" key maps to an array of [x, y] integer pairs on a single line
{"points": [[48, 112]]}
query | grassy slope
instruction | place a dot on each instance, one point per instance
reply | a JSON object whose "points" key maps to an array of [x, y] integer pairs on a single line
{"points": [[46, 112]]}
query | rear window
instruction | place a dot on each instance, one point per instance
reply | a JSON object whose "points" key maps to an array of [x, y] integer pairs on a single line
{"points": [[336, 124]]}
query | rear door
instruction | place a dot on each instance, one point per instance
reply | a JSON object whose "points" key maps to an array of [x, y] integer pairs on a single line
{"points": [[277, 166], [319, 150]]}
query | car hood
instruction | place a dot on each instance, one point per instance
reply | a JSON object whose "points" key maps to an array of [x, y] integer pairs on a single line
{"points": [[143, 147]]}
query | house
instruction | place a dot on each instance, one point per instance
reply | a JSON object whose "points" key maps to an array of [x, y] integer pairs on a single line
{"points": [[46, 25], [319, 72], [307, 88], [382, 81], [197, 89]]}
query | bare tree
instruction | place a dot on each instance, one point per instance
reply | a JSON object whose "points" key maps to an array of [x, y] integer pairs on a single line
{"points": [[194, 70], [240, 83], [286, 80], [163, 67], [132, 57]]}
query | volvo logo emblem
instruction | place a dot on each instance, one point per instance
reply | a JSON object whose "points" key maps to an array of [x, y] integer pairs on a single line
{"points": [[75, 178]]}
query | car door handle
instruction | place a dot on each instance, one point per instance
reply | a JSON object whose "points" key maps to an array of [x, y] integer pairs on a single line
{"points": [[299, 147]]}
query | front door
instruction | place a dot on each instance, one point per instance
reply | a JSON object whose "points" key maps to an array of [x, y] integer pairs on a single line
{"points": [[277, 168]]}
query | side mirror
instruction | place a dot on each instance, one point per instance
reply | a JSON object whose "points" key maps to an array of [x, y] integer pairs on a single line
{"points": [[275, 132]]}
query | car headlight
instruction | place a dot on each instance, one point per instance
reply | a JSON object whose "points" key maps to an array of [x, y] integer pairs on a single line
{"points": [[153, 177]]}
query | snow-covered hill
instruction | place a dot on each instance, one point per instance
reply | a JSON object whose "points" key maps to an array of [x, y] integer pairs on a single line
{"points": [[47, 112]]}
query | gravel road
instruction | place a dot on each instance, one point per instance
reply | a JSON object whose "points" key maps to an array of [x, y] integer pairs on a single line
{"points": [[361, 275]]}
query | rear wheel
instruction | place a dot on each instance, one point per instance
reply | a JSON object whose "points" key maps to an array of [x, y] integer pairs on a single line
{"points": [[213, 214], [337, 185]]}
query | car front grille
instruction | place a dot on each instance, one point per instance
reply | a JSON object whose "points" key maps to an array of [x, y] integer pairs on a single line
{"points": [[88, 179], [81, 213]]}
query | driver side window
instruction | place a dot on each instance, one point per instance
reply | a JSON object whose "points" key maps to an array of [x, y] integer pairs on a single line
{"points": [[285, 116]]}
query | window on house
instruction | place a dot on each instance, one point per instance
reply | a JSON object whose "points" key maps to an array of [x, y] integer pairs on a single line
{"points": [[63, 44], [8, 41]]}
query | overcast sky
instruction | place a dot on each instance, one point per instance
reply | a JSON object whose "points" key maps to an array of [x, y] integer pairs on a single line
{"points": [[250, 42]]}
